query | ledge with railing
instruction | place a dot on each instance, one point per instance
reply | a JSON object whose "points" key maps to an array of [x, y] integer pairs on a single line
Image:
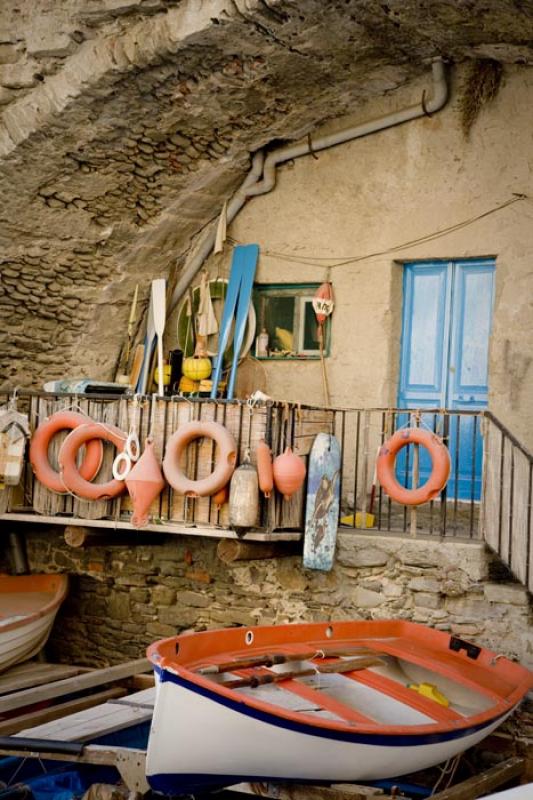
{"points": [[488, 495]]}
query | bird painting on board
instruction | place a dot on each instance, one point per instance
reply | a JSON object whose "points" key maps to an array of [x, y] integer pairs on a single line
{"points": [[325, 495]]}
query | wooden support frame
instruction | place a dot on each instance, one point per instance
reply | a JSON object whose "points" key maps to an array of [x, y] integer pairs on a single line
{"points": [[78, 683], [129, 761], [479, 785]]}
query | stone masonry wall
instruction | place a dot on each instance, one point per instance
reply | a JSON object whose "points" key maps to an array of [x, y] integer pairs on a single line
{"points": [[123, 597]]}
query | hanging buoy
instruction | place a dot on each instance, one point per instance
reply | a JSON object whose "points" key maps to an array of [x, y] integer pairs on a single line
{"points": [[197, 368], [244, 496], [323, 304], [289, 473], [221, 497], [145, 482], [263, 455]]}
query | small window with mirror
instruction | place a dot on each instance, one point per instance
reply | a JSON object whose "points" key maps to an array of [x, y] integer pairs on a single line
{"points": [[287, 325]]}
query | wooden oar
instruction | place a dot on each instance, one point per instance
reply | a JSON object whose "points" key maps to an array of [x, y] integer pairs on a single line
{"points": [[350, 665], [269, 659], [160, 311]]}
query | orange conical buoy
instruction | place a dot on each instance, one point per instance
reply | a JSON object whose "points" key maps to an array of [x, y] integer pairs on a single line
{"points": [[145, 482], [289, 473], [264, 468]]}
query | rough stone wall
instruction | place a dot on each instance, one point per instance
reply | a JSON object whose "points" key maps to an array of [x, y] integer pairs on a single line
{"points": [[126, 123], [122, 597]]}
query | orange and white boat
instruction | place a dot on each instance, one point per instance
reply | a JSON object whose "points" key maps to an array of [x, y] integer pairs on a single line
{"points": [[28, 606], [320, 702]]}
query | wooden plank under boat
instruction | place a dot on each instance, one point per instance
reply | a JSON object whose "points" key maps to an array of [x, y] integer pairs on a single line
{"points": [[28, 605], [322, 702]]}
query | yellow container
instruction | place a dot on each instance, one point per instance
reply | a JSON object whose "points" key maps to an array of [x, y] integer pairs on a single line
{"points": [[431, 691], [187, 386], [197, 368]]}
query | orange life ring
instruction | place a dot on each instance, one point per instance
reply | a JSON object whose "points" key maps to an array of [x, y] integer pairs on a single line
{"points": [[60, 421], [440, 472], [226, 459], [70, 475]]}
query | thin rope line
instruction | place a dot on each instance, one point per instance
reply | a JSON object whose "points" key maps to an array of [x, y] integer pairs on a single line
{"points": [[314, 261]]}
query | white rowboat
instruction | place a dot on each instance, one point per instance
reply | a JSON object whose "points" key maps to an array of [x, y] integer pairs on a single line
{"points": [[28, 606], [337, 702]]}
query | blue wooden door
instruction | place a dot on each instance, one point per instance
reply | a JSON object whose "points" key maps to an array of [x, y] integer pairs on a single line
{"points": [[447, 313]]}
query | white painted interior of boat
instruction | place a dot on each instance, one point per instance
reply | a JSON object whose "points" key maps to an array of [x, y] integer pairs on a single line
{"points": [[368, 701], [279, 697], [463, 699]]}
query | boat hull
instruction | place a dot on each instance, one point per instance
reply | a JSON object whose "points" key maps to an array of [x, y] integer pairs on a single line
{"points": [[199, 741], [28, 606]]}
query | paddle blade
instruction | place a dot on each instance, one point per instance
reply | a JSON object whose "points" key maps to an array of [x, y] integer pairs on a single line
{"points": [[159, 305]]}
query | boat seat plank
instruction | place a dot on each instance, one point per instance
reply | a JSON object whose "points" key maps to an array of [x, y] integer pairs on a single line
{"points": [[90, 724], [275, 695], [398, 691], [464, 672], [321, 699]]}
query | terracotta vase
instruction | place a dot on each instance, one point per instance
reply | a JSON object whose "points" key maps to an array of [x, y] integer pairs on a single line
{"points": [[289, 473], [264, 468], [145, 482]]}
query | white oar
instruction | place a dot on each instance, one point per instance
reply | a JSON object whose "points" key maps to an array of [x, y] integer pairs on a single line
{"points": [[159, 311]]}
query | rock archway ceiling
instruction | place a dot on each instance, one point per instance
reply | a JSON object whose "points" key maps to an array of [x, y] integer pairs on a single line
{"points": [[126, 123]]}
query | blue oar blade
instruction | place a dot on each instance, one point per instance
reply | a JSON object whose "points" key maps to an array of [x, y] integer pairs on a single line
{"points": [[248, 255]]}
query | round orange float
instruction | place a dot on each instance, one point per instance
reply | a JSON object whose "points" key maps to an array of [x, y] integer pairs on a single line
{"points": [[70, 475], [225, 465], [386, 465], [61, 421]]}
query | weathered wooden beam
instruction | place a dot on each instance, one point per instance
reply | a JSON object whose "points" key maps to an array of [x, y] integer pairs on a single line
{"points": [[479, 785], [229, 550], [95, 677], [33, 718], [35, 674], [295, 791]]}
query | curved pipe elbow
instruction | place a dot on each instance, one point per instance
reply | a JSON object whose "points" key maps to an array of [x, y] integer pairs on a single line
{"points": [[439, 95]]}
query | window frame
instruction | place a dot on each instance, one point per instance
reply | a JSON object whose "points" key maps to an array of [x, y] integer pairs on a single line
{"points": [[303, 294]]}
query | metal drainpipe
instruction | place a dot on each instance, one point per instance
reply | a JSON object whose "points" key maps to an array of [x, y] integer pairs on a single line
{"points": [[18, 557], [253, 186]]}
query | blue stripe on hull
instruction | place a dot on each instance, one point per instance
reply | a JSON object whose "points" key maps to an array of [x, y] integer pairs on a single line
{"points": [[375, 739]]}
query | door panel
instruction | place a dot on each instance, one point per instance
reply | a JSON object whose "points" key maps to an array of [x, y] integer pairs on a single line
{"points": [[444, 361], [424, 339]]}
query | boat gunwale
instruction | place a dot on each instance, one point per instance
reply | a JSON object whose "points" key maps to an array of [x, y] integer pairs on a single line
{"points": [[499, 708], [46, 610]]}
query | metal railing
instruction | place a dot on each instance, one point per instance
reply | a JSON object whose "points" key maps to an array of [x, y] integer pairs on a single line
{"points": [[507, 494], [456, 512], [488, 495]]}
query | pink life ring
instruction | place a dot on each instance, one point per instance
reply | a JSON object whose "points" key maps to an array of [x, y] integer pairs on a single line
{"points": [[45, 432], [227, 457], [72, 478]]}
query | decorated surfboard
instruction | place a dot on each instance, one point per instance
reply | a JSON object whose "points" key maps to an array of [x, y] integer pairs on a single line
{"points": [[322, 504]]}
